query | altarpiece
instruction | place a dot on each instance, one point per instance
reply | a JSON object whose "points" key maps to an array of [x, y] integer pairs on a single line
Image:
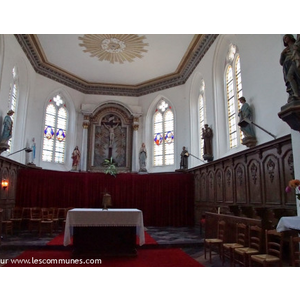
{"points": [[110, 136]]}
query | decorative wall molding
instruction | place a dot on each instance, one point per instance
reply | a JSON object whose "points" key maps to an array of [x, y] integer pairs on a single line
{"points": [[31, 48]]}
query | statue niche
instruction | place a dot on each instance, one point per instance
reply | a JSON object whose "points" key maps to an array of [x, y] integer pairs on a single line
{"points": [[110, 136]]}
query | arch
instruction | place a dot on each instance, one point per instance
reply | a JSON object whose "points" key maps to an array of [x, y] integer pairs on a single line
{"points": [[70, 128], [115, 142], [194, 117], [220, 61], [112, 107], [149, 133], [20, 124]]}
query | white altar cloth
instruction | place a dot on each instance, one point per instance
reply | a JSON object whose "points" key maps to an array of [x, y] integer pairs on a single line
{"points": [[97, 217], [288, 223]]}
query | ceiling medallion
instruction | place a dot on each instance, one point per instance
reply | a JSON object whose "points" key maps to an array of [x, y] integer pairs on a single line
{"points": [[114, 47]]}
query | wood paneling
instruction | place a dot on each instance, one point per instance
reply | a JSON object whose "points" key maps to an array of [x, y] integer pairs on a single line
{"points": [[254, 177]]}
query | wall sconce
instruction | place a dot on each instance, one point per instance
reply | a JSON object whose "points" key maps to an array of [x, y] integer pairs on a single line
{"points": [[4, 184]]}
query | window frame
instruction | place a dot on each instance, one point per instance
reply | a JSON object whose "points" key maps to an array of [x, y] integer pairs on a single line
{"points": [[201, 115], [58, 153], [232, 94], [13, 105], [159, 135]]}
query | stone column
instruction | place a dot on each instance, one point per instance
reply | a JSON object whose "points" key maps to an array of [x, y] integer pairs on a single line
{"points": [[135, 159], [84, 147]]}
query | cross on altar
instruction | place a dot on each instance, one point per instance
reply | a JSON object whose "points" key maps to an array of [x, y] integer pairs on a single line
{"points": [[110, 126]]}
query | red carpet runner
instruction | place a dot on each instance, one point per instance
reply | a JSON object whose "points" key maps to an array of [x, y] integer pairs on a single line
{"points": [[145, 258], [173, 257]]}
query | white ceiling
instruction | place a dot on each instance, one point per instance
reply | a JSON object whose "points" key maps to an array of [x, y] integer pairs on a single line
{"points": [[163, 56], [168, 61]]}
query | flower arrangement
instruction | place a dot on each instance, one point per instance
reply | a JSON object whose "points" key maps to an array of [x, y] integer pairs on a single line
{"points": [[294, 184], [110, 166]]}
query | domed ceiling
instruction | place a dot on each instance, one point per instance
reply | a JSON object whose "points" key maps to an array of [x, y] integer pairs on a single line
{"points": [[116, 64]]}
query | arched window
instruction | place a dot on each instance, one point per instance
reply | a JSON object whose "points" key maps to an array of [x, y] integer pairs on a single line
{"points": [[163, 129], [13, 101], [55, 131], [202, 115], [234, 91]]}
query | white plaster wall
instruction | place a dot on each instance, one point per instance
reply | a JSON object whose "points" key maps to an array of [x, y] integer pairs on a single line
{"points": [[12, 56], [263, 87], [179, 103]]}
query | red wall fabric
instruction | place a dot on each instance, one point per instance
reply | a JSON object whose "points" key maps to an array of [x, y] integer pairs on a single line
{"points": [[166, 199]]}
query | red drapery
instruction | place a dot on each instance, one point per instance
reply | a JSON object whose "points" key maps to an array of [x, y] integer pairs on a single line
{"points": [[166, 199]]}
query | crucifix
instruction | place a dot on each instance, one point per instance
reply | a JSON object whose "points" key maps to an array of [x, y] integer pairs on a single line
{"points": [[110, 125]]}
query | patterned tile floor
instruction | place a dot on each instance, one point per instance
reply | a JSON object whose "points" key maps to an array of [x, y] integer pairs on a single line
{"points": [[190, 240]]}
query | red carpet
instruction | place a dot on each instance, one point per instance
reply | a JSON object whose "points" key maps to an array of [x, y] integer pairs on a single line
{"points": [[146, 258], [173, 257], [59, 240]]}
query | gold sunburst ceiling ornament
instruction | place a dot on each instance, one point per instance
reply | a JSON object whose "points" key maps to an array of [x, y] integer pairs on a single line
{"points": [[114, 47]]}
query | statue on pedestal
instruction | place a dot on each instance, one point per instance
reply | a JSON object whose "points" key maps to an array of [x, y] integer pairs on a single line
{"points": [[76, 158], [143, 158], [290, 62], [207, 137], [7, 131], [33, 148], [245, 123], [184, 159]]}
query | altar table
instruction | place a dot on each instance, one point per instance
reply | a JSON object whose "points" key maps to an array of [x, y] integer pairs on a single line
{"points": [[111, 231], [288, 223]]}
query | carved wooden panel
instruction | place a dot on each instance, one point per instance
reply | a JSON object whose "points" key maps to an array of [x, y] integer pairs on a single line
{"points": [[271, 177], [211, 186], [197, 186], [255, 182], [288, 174], [203, 186], [219, 185], [241, 183], [254, 177], [228, 185]]}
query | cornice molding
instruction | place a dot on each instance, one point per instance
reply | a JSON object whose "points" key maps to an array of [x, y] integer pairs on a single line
{"points": [[200, 45]]}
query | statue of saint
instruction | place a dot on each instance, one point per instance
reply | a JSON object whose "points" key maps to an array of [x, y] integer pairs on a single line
{"points": [[33, 147], [184, 159], [143, 158], [76, 158], [290, 62], [245, 114], [207, 137], [7, 127]]}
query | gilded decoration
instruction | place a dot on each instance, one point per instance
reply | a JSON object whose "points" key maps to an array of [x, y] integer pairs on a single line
{"points": [[200, 45], [115, 48], [110, 137], [135, 127]]}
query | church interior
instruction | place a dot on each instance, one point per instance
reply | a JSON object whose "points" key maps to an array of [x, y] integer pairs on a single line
{"points": [[195, 131]]}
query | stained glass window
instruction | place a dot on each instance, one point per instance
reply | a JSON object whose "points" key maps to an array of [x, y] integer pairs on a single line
{"points": [[13, 102], [201, 106], [163, 135], [234, 91], [55, 131]]}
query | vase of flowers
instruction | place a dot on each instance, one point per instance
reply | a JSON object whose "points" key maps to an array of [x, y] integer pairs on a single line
{"points": [[294, 184]]}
